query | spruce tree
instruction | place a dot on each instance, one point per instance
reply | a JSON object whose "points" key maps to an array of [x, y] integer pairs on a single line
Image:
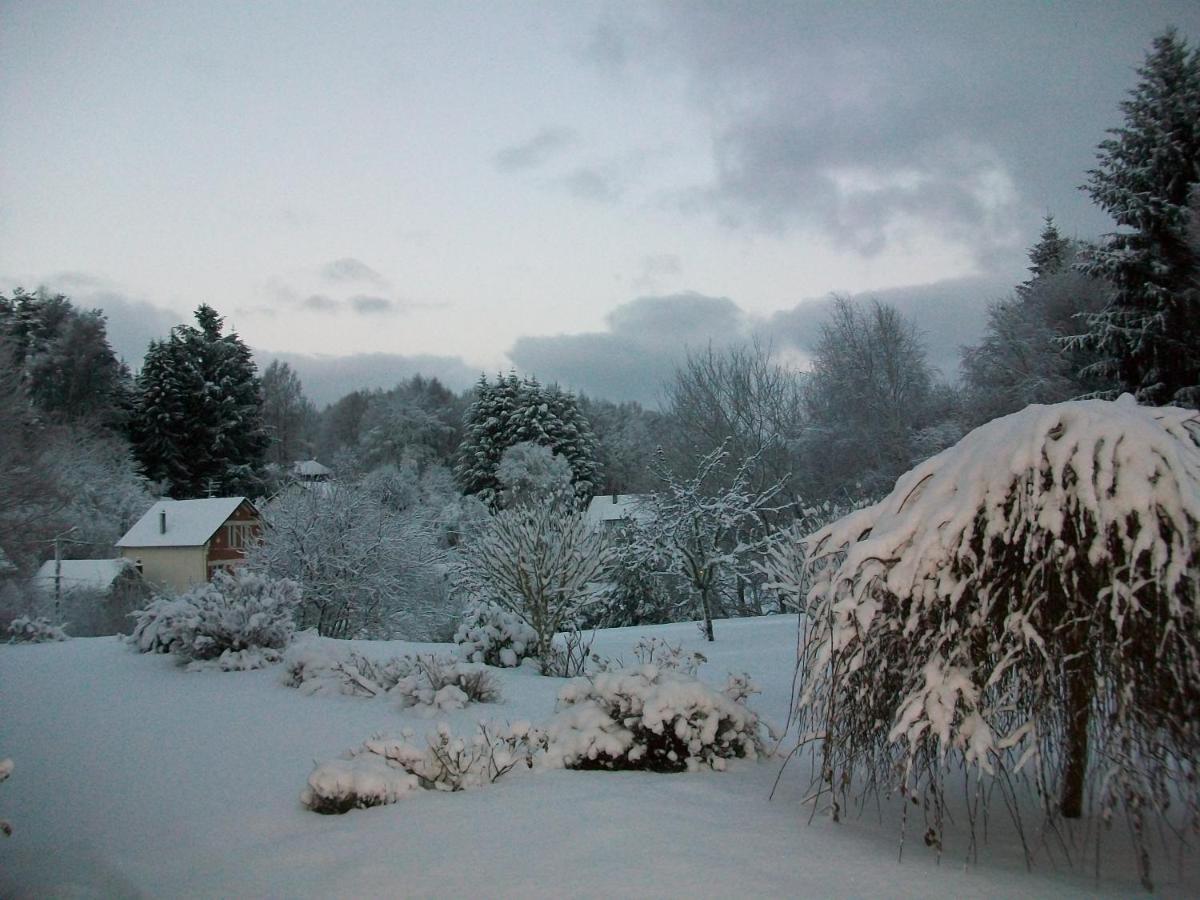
{"points": [[1148, 337], [198, 419], [513, 411]]}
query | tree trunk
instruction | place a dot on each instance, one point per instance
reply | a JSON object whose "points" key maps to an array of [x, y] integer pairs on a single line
{"points": [[1080, 684], [706, 610]]}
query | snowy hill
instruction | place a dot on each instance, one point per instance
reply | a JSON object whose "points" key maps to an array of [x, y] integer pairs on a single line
{"points": [[136, 778]]}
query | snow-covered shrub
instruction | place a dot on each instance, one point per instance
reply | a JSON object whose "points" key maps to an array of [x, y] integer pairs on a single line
{"points": [[6, 769], [650, 718], [24, 629], [442, 684], [665, 655], [383, 770], [545, 562], [1027, 601], [491, 634], [318, 670], [235, 611], [237, 660]]}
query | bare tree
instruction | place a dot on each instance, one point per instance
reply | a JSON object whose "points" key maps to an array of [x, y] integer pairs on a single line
{"points": [[709, 537], [867, 399], [740, 398]]}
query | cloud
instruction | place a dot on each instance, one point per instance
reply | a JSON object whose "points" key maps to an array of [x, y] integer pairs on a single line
{"points": [[647, 338], [603, 183], [329, 378], [370, 305], [535, 151], [874, 125], [638, 353], [319, 303], [349, 269], [654, 268]]}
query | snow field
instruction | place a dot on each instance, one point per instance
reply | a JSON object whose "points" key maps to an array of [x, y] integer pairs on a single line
{"points": [[136, 778]]}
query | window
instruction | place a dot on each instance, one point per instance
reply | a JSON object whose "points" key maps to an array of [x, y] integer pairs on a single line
{"points": [[240, 535]]}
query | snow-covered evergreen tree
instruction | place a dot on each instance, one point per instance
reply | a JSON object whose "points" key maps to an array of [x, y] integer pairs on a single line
{"points": [[1025, 605], [65, 360], [511, 412], [1024, 356], [198, 423], [1149, 335]]}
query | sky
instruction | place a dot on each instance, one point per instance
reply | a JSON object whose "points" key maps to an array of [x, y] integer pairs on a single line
{"points": [[581, 191]]}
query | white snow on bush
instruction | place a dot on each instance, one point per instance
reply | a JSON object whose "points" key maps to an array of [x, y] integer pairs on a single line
{"points": [[650, 718], [233, 612], [26, 630], [493, 635]]}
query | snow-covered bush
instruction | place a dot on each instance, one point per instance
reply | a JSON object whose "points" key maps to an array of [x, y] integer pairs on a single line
{"points": [[383, 770], [442, 684], [245, 660], [544, 562], [651, 718], [434, 682], [1027, 601], [491, 634], [665, 655], [234, 612], [24, 629], [315, 669]]}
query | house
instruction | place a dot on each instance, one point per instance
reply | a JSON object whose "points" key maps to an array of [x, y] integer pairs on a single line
{"points": [[607, 511], [311, 471], [180, 543], [95, 596]]}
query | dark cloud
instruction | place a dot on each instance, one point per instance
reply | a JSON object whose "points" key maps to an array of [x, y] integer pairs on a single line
{"points": [[645, 340], [947, 314], [654, 268], [603, 184], [536, 151], [319, 303], [329, 378], [648, 337], [370, 305], [349, 269], [871, 122]]}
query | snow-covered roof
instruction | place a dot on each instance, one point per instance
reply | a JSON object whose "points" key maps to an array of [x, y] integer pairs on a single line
{"points": [[189, 523], [614, 507], [310, 468], [85, 574]]}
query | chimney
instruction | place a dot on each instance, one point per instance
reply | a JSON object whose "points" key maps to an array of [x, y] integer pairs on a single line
{"points": [[162, 521]]}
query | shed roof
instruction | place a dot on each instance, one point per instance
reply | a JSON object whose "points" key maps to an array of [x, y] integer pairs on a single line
{"points": [[189, 523], [86, 574], [614, 507]]}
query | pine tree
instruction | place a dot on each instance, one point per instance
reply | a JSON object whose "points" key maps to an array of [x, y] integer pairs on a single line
{"points": [[198, 420], [65, 359], [1149, 335], [1051, 253], [511, 412]]}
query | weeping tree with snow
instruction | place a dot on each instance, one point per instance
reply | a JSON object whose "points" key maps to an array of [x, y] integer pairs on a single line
{"points": [[707, 529], [1023, 606]]}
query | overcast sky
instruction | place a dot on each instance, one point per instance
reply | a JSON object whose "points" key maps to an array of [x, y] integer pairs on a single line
{"points": [[577, 189]]}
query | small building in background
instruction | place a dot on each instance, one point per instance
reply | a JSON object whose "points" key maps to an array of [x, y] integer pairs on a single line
{"points": [[310, 471], [606, 511], [178, 544]]}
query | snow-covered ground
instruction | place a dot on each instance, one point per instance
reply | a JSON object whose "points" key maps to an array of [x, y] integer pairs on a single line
{"points": [[136, 778]]}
